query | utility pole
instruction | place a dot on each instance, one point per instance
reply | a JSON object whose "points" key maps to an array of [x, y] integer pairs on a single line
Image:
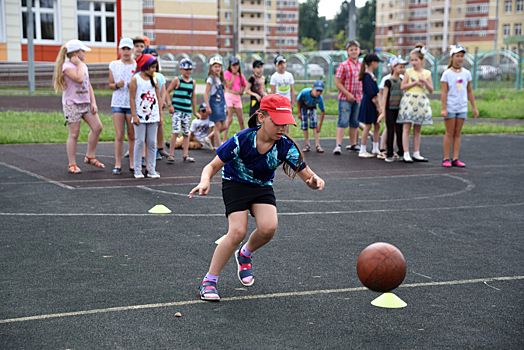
{"points": [[235, 27], [352, 20], [30, 47]]}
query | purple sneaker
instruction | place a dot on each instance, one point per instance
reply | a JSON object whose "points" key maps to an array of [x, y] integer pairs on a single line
{"points": [[446, 163], [245, 270], [458, 163]]}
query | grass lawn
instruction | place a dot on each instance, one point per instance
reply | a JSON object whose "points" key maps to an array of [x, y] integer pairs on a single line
{"points": [[36, 127]]}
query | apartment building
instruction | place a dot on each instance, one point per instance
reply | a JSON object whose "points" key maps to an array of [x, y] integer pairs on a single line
{"points": [[174, 26], [475, 24], [98, 24], [177, 26], [257, 26]]}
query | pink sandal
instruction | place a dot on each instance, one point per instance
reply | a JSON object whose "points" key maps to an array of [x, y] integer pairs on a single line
{"points": [[93, 161]]}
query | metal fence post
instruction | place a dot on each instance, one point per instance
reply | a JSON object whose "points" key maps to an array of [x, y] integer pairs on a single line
{"points": [[475, 66]]}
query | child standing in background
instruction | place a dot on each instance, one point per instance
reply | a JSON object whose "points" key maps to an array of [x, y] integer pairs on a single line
{"points": [[120, 73], [184, 105], [139, 45], [214, 97], [256, 86], [248, 162], [369, 108], [202, 131], [392, 94], [235, 85], [161, 104], [414, 106], [307, 101], [282, 81], [455, 103], [78, 101], [144, 92]]}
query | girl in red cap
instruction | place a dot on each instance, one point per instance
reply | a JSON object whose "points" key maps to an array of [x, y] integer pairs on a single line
{"points": [[249, 160], [144, 101]]}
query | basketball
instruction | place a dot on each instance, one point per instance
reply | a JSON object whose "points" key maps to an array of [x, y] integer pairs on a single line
{"points": [[381, 267]]}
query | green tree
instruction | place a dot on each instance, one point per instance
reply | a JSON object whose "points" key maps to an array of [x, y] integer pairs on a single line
{"points": [[366, 25], [309, 25], [309, 44]]}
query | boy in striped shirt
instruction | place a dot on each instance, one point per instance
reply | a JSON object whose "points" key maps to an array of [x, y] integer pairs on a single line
{"points": [[184, 104]]}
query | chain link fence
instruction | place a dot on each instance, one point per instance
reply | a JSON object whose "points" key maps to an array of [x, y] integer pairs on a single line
{"points": [[498, 69]]}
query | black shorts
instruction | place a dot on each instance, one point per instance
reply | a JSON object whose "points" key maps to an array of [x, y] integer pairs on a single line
{"points": [[239, 197]]}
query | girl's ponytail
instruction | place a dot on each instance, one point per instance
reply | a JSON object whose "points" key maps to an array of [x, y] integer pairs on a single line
{"points": [[362, 72], [58, 75]]}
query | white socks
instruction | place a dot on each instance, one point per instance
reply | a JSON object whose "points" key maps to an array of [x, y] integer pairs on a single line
{"points": [[417, 155], [375, 147]]}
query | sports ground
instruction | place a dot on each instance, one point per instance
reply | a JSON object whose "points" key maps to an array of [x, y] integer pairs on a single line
{"points": [[85, 266]]}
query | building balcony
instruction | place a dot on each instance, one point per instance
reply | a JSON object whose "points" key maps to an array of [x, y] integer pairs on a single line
{"points": [[251, 34], [247, 20], [247, 6]]}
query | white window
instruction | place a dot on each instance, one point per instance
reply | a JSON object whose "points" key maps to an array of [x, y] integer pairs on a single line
{"points": [[227, 15], [519, 5], [518, 29], [2, 21], [227, 29], [148, 4], [150, 34], [148, 19], [227, 3], [96, 21], [268, 15], [44, 20], [268, 3], [401, 28], [507, 6], [506, 29], [227, 42], [400, 40]]}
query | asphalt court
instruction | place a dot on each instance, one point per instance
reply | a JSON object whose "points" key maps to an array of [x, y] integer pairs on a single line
{"points": [[84, 265]]}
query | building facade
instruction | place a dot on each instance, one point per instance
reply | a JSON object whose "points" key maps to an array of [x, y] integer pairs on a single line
{"points": [[257, 26], [98, 24], [475, 24], [174, 26]]}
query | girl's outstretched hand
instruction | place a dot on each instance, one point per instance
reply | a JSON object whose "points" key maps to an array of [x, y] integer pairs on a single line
{"points": [[315, 182], [201, 188]]}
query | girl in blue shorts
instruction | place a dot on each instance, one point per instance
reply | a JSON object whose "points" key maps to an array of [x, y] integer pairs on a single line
{"points": [[456, 90], [249, 160]]}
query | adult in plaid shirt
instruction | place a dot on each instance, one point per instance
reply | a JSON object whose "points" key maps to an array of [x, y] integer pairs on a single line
{"points": [[349, 96]]}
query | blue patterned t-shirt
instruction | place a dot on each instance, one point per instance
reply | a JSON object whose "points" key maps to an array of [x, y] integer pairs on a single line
{"points": [[246, 165]]}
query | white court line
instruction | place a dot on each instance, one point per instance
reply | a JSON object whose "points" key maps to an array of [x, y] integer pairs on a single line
{"points": [[254, 297], [40, 177], [469, 187], [465, 207]]}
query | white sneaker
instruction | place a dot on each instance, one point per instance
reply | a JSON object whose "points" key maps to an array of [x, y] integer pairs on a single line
{"points": [[337, 150], [207, 142], [139, 176], [365, 154], [154, 175]]}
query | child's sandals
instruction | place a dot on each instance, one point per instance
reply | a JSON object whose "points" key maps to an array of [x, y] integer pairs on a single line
{"points": [[306, 149], [319, 149], [94, 162], [188, 159], [73, 169], [170, 159]]}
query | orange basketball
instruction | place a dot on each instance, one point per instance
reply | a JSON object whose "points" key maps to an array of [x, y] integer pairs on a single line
{"points": [[381, 267]]}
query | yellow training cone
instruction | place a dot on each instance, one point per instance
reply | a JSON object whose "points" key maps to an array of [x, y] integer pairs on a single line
{"points": [[389, 300], [159, 209]]}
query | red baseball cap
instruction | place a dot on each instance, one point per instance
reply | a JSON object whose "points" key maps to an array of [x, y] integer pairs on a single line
{"points": [[279, 109]]}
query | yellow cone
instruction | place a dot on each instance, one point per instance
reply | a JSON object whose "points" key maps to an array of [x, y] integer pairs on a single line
{"points": [[159, 209], [389, 300]]}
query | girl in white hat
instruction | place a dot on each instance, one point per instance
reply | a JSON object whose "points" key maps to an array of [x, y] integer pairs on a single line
{"points": [[78, 100], [456, 91]]}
